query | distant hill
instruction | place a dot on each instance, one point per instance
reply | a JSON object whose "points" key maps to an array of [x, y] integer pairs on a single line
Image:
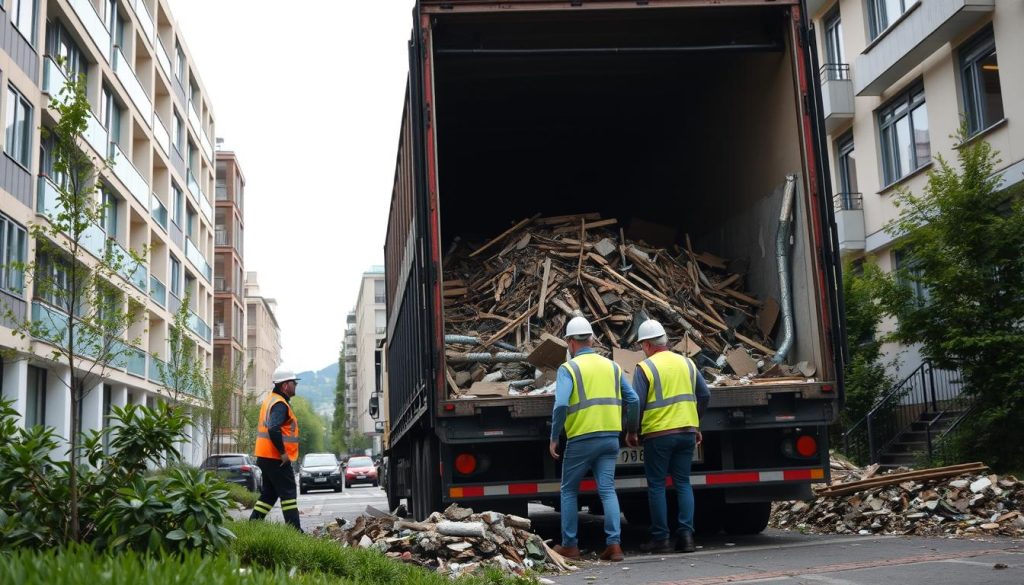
{"points": [[318, 388]]}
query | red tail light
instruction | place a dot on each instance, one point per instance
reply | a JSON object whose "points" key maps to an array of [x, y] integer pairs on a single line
{"points": [[465, 463], [246, 468], [806, 446]]}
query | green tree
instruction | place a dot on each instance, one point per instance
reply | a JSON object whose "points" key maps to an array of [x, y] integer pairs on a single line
{"points": [[222, 392], [86, 307], [311, 426], [338, 431], [245, 434], [960, 295]]}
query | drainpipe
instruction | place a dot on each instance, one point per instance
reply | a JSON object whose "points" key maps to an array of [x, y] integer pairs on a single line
{"points": [[782, 259]]}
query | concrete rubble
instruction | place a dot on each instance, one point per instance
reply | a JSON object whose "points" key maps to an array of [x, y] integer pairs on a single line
{"points": [[962, 504], [456, 542]]}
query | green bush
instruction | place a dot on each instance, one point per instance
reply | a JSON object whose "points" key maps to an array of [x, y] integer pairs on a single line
{"points": [[240, 494]]}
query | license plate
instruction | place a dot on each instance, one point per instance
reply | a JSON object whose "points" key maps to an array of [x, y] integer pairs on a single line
{"points": [[360, 477], [635, 456], [320, 479]]}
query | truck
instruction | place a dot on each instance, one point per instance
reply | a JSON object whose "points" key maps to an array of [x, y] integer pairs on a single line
{"points": [[704, 114]]}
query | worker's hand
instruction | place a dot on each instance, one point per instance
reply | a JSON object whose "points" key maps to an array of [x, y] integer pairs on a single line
{"points": [[632, 440], [553, 448], [285, 459], [700, 438]]}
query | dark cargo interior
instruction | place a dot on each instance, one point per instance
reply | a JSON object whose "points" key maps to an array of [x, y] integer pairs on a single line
{"points": [[685, 117]]}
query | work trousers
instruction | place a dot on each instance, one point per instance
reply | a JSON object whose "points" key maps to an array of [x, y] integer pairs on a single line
{"points": [[278, 482], [597, 454], [669, 455]]}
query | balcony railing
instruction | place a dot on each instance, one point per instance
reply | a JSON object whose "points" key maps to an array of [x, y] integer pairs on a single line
{"points": [[158, 370], [195, 256], [193, 185], [218, 330], [137, 274], [850, 232], [95, 134], [848, 201], [205, 207], [834, 72], [157, 291], [163, 59], [220, 284], [124, 72], [198, 326], [220, 191], [93, 25], [54, 80], [163, 138], [379, 299], [129, 175], [381, 330], [220, 237], [204, 141], [48, 205], [159, 212], [145, 20], [193, 117]]}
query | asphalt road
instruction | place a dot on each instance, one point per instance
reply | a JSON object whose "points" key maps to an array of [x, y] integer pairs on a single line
{"points": [[319, 507]]}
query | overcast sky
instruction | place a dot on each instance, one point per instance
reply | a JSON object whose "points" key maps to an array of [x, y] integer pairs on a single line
{"points": [[309, 95]]}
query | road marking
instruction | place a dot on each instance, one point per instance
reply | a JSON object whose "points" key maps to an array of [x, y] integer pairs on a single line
{"points": [[828, 580], [976, 563], [836, 568]]}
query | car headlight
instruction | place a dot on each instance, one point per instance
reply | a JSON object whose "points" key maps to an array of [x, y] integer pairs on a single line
{"points": [[303, 474]]}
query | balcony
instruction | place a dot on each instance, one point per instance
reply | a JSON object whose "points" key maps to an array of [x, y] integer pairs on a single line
{"points": [[196, 324], [218, 330], [158, 211], [145, 20], [124, 72], [93, 25], [48, 205], [193, 117], [54, 80], [204, 141], [159, 371], [163, 138], [136, 361], [220, 284], [137, 274], [163, 59], [220, 237], [193, 185], [129, 175], [220, 191], [836, 95], [205, 207], [195, 256], [157, 291], [915, 35], [96, 135], [849, 209], [379, 299]]}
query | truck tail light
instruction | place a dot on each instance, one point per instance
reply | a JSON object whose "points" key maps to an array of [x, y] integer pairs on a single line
{"points": [[826, 387], [465, 463], [806, 446]]}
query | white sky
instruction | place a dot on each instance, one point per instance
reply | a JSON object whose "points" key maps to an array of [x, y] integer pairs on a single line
{"points": [[309, 96]]}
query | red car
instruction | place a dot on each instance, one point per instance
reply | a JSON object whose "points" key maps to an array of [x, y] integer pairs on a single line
{"points": [[361, 470]]}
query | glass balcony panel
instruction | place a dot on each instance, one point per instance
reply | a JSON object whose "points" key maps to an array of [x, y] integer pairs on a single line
{"points": [[54, 80], [96, 135], [145, 19], [163, 138], [193, 118], [123, 69], [220, 237], [193, 185], [157, 290], [205, 207], [93, 25], [129, 175], [198, 326], [137, 274], [195, 256], [204, 141], [163, 59], [159, 211]]}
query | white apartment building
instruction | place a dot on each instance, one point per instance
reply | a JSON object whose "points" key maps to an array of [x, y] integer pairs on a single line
{"points": [[152, 118], [371, 326], [263, 339]]}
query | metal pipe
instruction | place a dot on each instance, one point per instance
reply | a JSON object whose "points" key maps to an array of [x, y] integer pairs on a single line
{"points": [[486, 358], [470, 340], [782, 259], [610, 50]]}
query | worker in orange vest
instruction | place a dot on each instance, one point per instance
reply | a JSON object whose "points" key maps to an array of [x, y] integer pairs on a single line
{"points": [[277, 445]]}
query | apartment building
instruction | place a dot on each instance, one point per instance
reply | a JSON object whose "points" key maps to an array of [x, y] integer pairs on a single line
{"points": [[371, 326], [351, 369], [152, 119], [263, 339], [897, 77], [229, 332]]}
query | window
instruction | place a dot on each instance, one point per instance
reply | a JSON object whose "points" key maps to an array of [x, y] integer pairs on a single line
{"points": [[979, 75], [178, 132], [52, 280], [190, 221], [847, 193], [883, 13], [110, 114], [175, 276], [65, 51], [19, 126], [111, 205], [179, 62], [13, 250], [115, 24], [834, 53], [177, 204], [911, 274], [23, 15], [903, 128], [35, 407], [380, 321]]}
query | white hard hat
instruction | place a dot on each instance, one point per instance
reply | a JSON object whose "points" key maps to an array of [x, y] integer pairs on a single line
{"points": [[649, 329], [578, 326], [284, 376]]}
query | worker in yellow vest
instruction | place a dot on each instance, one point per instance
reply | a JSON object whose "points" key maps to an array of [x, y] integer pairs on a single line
{"points": [[589, 395], [673, 396], [277, 445]]}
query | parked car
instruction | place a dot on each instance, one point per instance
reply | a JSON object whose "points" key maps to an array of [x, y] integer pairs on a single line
{"points": [[237, 468], [319, 471], [361, 470]]}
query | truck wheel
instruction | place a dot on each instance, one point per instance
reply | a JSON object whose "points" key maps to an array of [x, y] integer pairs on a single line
{"points": [[747, 518], [636, 509]]}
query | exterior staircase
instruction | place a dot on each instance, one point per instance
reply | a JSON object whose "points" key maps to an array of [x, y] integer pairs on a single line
{"points": [[911, 444]]}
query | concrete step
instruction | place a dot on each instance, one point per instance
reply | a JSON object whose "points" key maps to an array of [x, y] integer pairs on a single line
{"points": [[899, 458], [907, 447]]}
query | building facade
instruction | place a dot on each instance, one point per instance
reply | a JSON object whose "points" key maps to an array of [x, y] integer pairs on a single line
{"points": [[263, 339], [898, 78], [371, 326], [229, 332], [151, 117], [351, 369]]}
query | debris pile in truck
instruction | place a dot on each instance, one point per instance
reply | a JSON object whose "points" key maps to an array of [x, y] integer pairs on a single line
{"points": [[456, 541], [506, 303], [959, 500]]}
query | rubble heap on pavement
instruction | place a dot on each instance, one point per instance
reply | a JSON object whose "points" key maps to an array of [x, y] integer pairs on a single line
{"points": [[506, 303], [959, 500], [456, 542]]}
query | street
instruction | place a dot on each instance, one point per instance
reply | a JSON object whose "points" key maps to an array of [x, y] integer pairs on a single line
{"points": [[778, 557]]}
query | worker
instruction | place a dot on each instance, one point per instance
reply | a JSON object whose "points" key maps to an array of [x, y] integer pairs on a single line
{"points": [[589, 395], [673, 397], [277, 446]]}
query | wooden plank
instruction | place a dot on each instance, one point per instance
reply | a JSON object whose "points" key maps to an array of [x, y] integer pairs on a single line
{"points": [[767, 350], [454, 292], [544, 287], [597, 300], [898, 478], [504, 330], [742, 297], [601, 282], [504, 235], [727, 282], [556, 219]]}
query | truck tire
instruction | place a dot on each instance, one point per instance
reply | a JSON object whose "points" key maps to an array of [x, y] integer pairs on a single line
{"points": [[747, 518]]}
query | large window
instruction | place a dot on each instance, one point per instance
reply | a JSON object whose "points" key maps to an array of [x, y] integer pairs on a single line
{"points": [[178, 132], [23, 15], [111, 207], [903, 128], [13, 250], [19, 126], [179, 62], [882, 13], [110, 114], [177, 204], [64, 50], [848, 195], [115, 24], [979, 74], [911, 277], [834, 53], [175, 276], [52, 279], [35, 407]]}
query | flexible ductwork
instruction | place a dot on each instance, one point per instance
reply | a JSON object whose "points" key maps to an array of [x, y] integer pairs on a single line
{"points": [[782, 249]]}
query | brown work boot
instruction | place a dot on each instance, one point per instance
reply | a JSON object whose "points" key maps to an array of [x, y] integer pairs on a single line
{"points": [[613, 553], [570, 552]]}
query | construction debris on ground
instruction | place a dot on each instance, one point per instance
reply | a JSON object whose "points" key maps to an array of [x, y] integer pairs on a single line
{"points": [[506, 303], [957, 500], [455, 542]]}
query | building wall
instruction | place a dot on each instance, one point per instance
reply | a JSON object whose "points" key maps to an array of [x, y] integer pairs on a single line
{"points": [[370, 328], [263, 338], [940, 73], [349, 350], [146, 90]]}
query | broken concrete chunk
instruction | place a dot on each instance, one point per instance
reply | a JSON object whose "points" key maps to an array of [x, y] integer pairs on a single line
{"points": [[980, 484], [605, 247]]}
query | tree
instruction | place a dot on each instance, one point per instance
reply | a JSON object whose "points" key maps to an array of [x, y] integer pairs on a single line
{"points": [[79, 276], [960, 294], [338, 431], [311, 426], [245, 434], [222, 391]]}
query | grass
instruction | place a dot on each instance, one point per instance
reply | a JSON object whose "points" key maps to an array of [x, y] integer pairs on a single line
{"points": [[241, 494]]}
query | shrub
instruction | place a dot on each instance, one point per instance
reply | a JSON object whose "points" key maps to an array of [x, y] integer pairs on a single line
{"points": [[240, 494]]}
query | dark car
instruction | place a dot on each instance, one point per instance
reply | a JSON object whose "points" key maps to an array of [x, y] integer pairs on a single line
{"points": [[237, 468], [319, 471], [361, 470]]}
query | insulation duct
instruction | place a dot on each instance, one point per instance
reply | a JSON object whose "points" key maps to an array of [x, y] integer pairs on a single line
{"points": [[470, 340], [782, 248]]}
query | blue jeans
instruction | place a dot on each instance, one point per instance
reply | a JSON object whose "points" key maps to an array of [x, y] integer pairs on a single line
{"points": [[598, 454], [663, 456]]}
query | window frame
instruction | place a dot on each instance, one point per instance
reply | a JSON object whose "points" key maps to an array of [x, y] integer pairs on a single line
{"points": [[175, 279], [16, 11], [36, 387], [877, 13], [912, 98], [12, 234], [57, 39], [971, 54], [832, 27], [16, 98]]}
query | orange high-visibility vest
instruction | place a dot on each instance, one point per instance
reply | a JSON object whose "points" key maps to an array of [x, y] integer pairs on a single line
{"points": [[289, 431]]}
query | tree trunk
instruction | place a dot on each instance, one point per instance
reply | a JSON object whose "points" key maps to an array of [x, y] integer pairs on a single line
{"points": [[76, 398]]}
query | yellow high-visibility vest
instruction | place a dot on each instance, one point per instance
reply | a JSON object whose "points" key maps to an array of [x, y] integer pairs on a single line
{"points": [[671, 399], [596, 401]]}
